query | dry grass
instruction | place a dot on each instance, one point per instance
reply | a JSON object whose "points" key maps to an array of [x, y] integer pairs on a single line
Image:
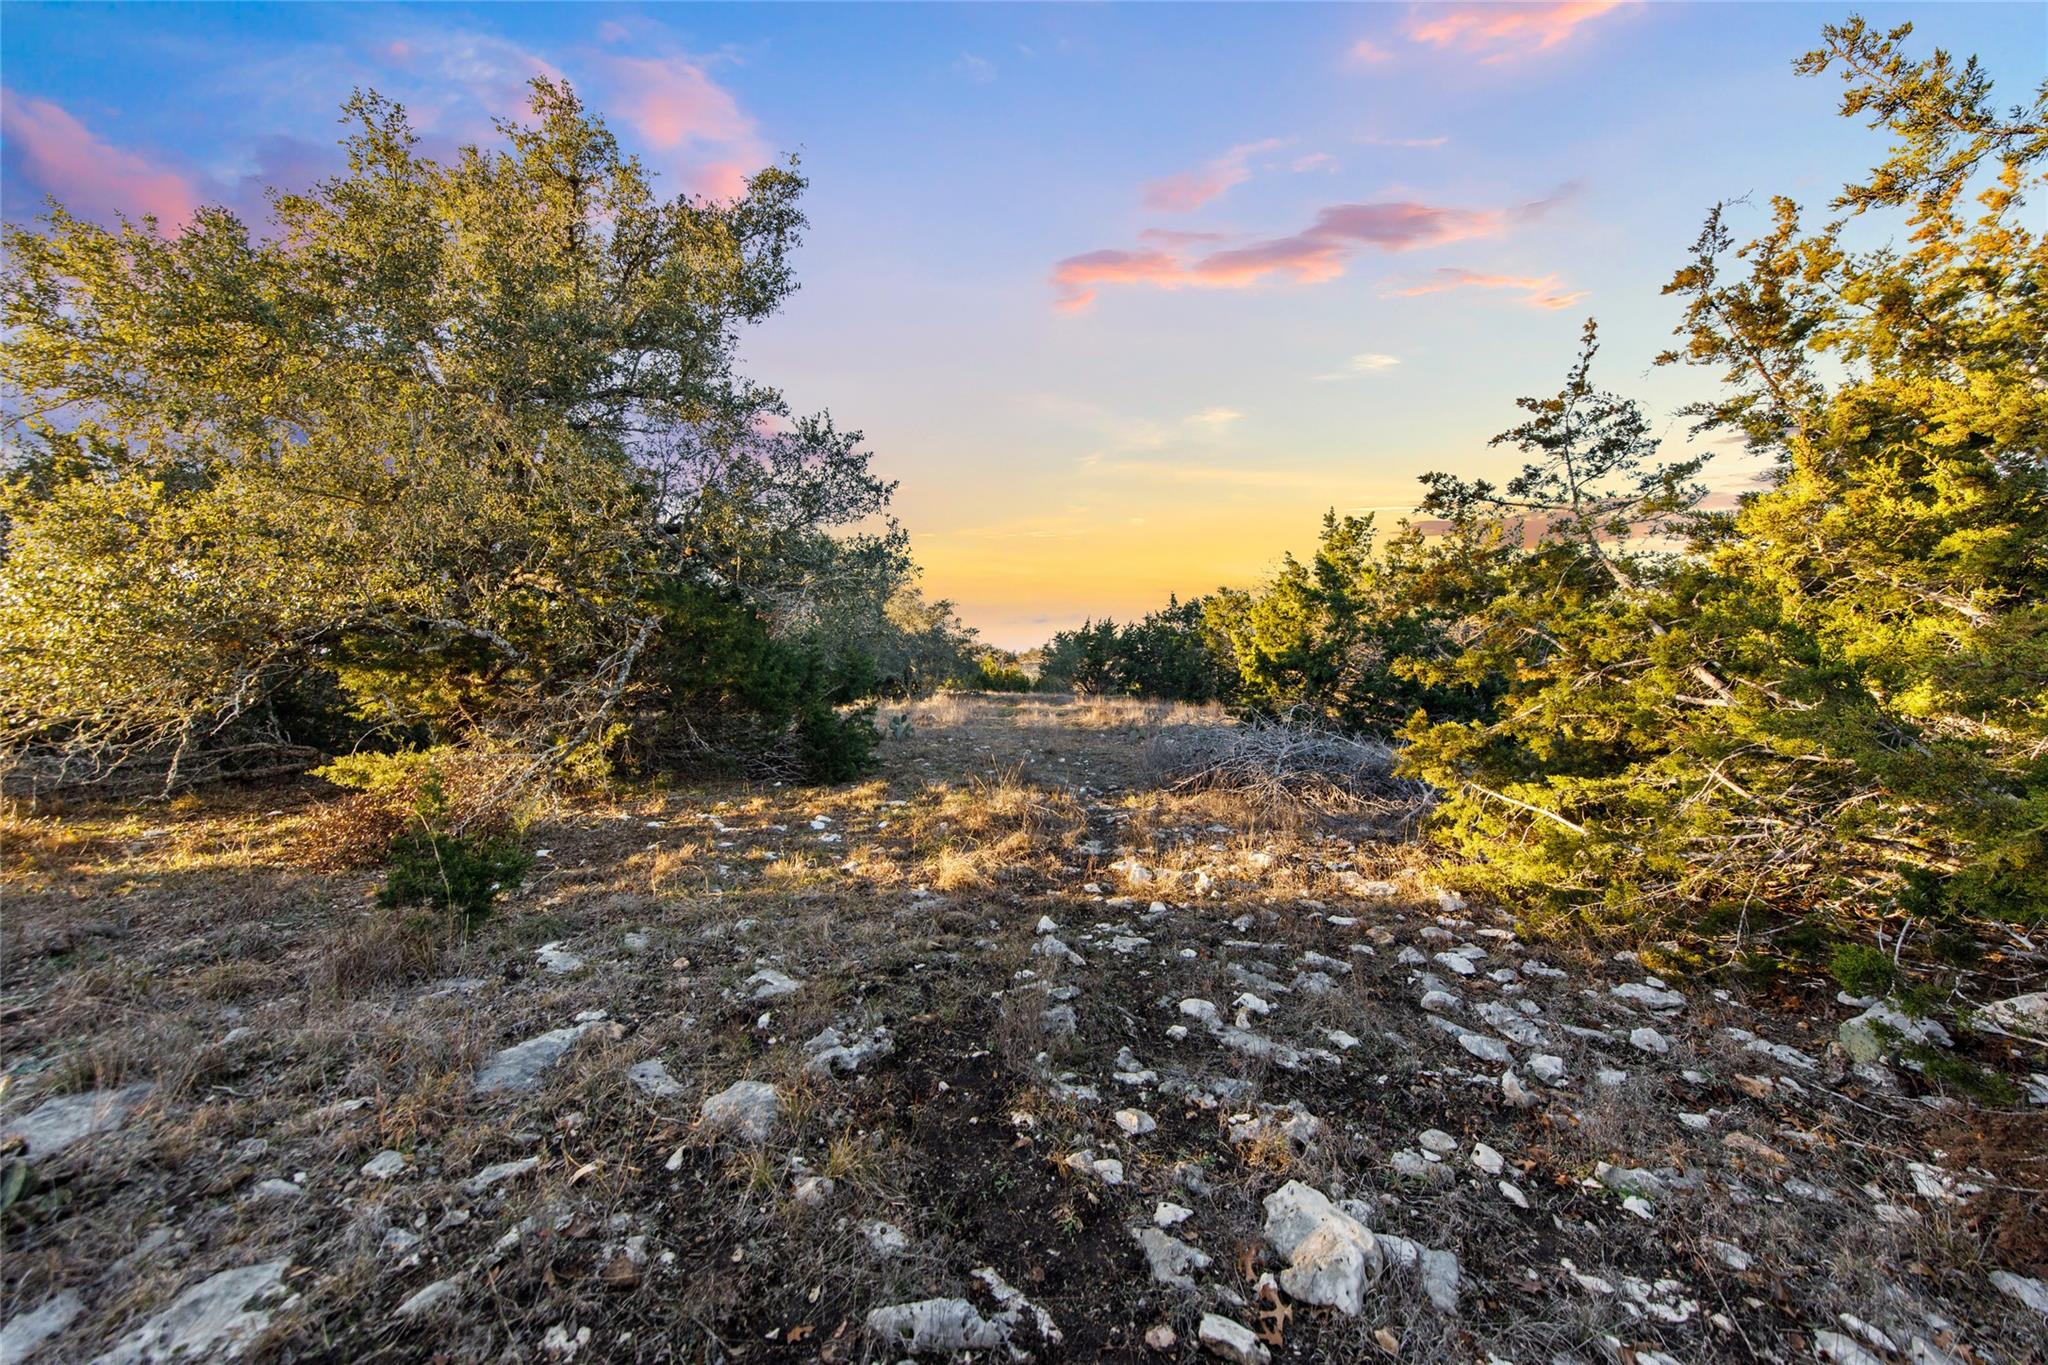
{"points": [[139, 942]]}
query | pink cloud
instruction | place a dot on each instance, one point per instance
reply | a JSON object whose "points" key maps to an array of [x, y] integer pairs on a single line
{"points": [[1180, 236], [1502, 32], [694, 125], [1077, 276], [1540, 291], [1317, 253], [1316, 161], [670, 101], [722, 179], [89, 176], [1189, 190], [1367, 51]]}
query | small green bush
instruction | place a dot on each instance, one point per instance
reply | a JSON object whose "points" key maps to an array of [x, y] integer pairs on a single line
{"points": [[458, 873], [1862, 970]]}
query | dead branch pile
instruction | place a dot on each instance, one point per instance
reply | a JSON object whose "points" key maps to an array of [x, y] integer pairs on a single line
{"points": [[1282, 761]]}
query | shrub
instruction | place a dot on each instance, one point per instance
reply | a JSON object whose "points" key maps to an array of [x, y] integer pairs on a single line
{"points": [[1863, 970], [458, 873]]}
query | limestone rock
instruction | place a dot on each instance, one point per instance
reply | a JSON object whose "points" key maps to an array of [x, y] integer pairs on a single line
{"points": [[58, 1123], [936, 1327], [25, 1333], [1331, 1255], [520, 1066], [1169, 1258], [219, 1318], [1232, 1341], [746, 1109]]}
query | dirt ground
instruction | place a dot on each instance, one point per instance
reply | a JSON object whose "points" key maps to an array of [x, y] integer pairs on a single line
{"points": [[1011, 930]]}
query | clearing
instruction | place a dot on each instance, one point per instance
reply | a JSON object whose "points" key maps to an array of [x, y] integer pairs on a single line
{"points": [[1059, 1062]]}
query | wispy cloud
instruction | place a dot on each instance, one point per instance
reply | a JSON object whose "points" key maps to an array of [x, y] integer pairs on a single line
{"points": [[1499, 32], [49, 148], [1369, 362], [693, 126], [1538, 291], [1373, 141], [1316, 161], [1190, 189], [1188, 472], [1317, 253], [1215, 419], [978, 69], [1369, 53]]}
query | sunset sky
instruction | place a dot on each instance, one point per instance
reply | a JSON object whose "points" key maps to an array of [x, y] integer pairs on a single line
{"points": [[1124, 296]]}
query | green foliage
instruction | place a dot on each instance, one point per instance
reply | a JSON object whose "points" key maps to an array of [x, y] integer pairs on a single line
{"points": [[418, 466], [720, 689], [1832, 700], [461, 874], [1349, 635], [1170, 655], [1861, 969], [993, 674]]}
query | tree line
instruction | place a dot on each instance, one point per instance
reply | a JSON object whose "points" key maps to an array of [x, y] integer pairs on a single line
{"points": [[452, 457], [1830, 699]]}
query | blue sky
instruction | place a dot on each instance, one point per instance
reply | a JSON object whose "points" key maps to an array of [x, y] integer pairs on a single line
{"points": [[1123, 295]]}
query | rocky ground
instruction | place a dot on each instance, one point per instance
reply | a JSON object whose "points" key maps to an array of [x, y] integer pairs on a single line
{"points": [[1008, 1052]]}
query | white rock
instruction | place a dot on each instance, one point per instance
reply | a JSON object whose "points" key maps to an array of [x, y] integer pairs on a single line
{"points": [[219, 1318], [936, 1327], [1484, 1048], [1232, 1341], [57, 1123], [1170, 1260], [1136, 1122], [2031, 1292], [499, 1173], [769, 984], [1650, 997], [385, 1165], [746, 1109], [1648, 1040], [1169, 1215], [1486, 1159], [1547, 1068], [830, 1052], [1513, 1194], [519, 1067], [651, 1078], [434, 1296], [1331, 1255], [283, 1191], [1879, 1030], [1440, 1279], [1841, 1350], [2026, 1014], [556, 957], [1729, 1254], [25, 1333], [1453, 962], [885, 1239], [1438, 1141], [1514, 1092]]}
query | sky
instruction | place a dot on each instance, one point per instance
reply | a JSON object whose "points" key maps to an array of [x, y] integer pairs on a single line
{"points": [[1124, 296]]}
